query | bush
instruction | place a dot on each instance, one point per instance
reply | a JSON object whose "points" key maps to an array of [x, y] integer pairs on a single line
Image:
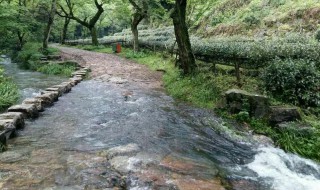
{"points": [[30, 51], [293, 81]]}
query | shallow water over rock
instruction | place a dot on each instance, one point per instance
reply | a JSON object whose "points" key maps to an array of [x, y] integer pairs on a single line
{"points": [[105, 134]]}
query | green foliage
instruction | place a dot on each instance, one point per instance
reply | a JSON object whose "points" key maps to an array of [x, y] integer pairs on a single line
{"points": [[57, 69], [293, 81], [9, 92], [317, 35], [251, 20], [249, 52], [30, 53], [29, 58], [243, 116], [132, 54]]}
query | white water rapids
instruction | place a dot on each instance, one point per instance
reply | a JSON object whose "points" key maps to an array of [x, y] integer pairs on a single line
{"points": [[285, 171]]}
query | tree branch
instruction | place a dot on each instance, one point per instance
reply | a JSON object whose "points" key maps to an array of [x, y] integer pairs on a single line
{"points": [[134, 4]]}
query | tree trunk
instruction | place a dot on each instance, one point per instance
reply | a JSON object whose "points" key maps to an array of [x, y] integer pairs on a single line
{"points": [[135, 33], [186, 57], [21, 40], [94, 36], [65, 30], [49, 25]]}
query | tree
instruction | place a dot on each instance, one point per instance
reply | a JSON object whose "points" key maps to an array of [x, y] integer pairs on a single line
{"points": [[186, 57], [90, 24], [48, 27], [140, 12], [67, 19]]}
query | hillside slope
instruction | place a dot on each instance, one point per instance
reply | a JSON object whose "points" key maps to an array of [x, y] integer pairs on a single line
{"points": [[254, 17]]}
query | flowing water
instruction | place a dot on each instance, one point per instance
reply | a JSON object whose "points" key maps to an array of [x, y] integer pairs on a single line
{"points": [[29, 83], [97, 138]]}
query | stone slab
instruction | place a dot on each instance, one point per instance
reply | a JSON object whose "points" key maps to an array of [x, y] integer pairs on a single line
{"points": [[28, 110], [17, 118], [39, 103]]}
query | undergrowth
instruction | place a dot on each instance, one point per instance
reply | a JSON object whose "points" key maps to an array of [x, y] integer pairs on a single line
{"points": [[29, 58], [9, 92]]}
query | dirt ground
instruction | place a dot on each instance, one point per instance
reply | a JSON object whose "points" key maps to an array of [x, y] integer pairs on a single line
{"points": [[109, 67]]}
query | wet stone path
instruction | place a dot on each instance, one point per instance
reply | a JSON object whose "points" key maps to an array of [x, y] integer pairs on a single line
{"points": [[119, 130]]}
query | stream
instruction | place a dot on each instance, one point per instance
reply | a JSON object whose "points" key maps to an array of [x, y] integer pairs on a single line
{"points": [[96, 138]]}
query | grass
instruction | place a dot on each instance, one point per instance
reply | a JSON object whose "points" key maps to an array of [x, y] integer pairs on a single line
{"points": [[205, 88], [29, 58], [9, 92], [57, 69]]}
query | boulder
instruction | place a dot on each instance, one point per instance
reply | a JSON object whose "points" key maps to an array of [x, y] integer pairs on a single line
{"points": [[240, 100], [28, 110], [280, 114], [38, 102], [17, 118]]}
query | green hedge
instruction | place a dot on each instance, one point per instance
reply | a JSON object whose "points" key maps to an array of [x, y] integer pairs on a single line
{"points": [[251, 53]]}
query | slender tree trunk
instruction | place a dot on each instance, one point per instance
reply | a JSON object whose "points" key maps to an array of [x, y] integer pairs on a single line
{"points": [[186, 57], [21, 40], [49, 25], [65, 30], [94, 36], [135, 33]]}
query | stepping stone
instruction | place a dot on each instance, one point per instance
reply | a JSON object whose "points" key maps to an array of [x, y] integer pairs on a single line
{"points": [[4, 136], [39, 103], [6, 124], [46, 99], [54, 57], [73, 82], [55, 89], [17, 118], [80, 73], [77, 79], [28, 110], [63, 87], [52, 94], [80, 76]]}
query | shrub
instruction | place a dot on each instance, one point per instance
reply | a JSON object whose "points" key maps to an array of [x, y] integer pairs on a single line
{"points": [[29, 51], [293, 81]]}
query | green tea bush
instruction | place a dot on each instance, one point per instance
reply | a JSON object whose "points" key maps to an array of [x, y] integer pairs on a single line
{"points": [[293, 81], [317, 35], [252, 53]]}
